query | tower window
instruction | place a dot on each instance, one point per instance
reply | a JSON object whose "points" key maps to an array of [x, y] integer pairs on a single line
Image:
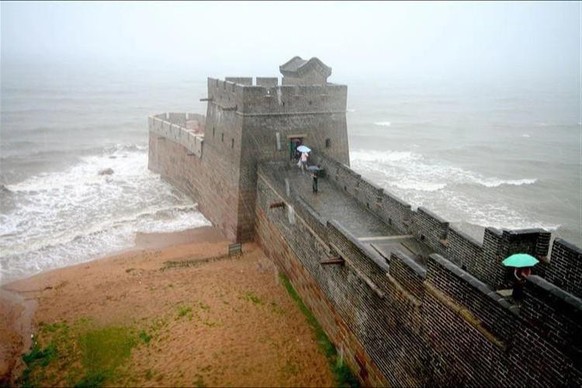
{"points": [[222, 137], [232, 143], [327, 143]]}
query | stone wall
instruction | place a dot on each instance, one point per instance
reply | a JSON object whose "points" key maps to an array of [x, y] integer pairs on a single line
{"points": [[172, 126], [565, 269], [246, 124], [398, 323], [205, 170], [410, 325], [318, 113], [481, 259]]}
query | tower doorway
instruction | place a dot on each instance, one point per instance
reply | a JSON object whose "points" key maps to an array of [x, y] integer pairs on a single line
{"points": [[294, 142]]}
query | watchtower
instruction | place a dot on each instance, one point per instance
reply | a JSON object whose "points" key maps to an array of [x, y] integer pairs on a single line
{"points": [[248, 122]]}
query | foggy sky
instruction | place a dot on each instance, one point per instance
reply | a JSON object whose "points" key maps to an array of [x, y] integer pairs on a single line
{"points": [[472, 38]]}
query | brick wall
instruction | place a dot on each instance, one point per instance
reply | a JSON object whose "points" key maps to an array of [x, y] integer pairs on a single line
{"points": [[565, 269], [409, 325], [430, 229], [396, 323]]}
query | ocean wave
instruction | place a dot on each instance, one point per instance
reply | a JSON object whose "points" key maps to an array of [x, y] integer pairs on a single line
{"points": [[420, 186], [380, 157], [129, 163], [61, 217], [411, 170], [493, 213], [494, 182], [90, 244], [151, 220], [117, 148], [383, 123]]}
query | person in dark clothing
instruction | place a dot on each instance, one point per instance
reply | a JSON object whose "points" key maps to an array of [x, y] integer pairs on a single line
{"points": [[520, 275], [315, 176]]}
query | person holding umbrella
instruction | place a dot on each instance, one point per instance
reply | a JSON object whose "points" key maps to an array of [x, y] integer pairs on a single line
{"points": [[522, 262], [304, 155]]}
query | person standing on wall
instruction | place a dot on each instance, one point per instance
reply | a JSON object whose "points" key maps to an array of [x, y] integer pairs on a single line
{"points": [[304, 156], [520, 275], [315, 176]]}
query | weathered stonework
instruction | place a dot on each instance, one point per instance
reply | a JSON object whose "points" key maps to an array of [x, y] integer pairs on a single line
{"points": [[431, 315]]}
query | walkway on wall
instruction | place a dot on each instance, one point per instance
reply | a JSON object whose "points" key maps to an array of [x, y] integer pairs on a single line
{"points": [[332, 203]]}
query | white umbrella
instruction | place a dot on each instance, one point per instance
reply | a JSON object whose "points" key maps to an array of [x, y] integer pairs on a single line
{"points": [[303, 148]]}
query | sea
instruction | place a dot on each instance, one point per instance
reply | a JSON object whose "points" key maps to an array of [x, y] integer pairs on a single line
{"points": [[478, 153]]}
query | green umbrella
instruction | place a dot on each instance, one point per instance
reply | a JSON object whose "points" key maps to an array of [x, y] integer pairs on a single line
{"points": [[520, 260]]}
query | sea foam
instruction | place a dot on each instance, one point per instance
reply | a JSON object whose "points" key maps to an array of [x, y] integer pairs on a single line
{"points": [[73, 215]]}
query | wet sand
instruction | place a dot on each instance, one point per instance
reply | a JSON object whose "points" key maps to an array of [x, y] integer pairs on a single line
{"points": [[221, 321]]}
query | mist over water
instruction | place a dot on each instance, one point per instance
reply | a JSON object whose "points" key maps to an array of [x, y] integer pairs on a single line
{"points": [[489, 154], [503, 153], [61, 126]]}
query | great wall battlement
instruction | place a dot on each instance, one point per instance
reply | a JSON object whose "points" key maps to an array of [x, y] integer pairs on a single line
{"points": [[269, 99], [409, 323], [406, 297]]}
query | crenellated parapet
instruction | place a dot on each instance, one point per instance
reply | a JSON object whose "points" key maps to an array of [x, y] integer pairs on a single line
{"points": [[565, 268], [266, 98], [482, 259], [175, 127], [407, 297], [455, 326]]}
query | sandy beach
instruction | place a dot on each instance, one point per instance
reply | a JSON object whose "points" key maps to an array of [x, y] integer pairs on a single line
{"points": [[189, 315]]}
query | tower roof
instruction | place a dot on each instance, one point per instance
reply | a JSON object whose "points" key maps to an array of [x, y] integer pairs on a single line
{"points": [[297, 67]]}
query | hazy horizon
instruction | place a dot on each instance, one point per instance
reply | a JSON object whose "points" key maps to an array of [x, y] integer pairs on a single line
{"points": [[465, 40]]}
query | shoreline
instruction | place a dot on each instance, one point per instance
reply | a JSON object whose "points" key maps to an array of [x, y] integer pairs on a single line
{"points": [[227, 320], [17, 310]]}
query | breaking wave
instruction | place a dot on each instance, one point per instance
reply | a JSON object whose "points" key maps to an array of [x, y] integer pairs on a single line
{"points": [[71, 216], [383, 123]]}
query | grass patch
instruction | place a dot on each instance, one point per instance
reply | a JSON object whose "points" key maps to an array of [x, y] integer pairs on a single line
{"points": [[253, 298], [145, 337], [184, 311], [80, 355], [343, 375], [290, 369], [199, 382], [40, 356], [103, 351]]}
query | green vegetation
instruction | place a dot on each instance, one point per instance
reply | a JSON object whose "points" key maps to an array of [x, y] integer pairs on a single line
{"points": [[145, 337], [253, 298], [80, 355], [344, 377], [185, 311], [199, 382]]}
